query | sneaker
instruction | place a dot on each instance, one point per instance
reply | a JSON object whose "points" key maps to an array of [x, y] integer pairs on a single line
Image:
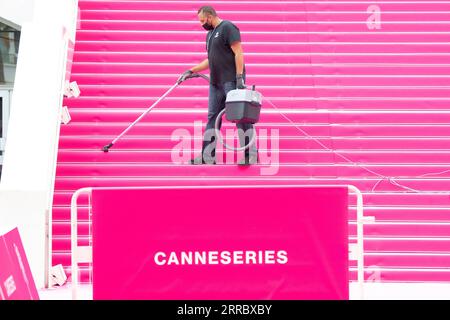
{"points": [[248, 160], [201, 160]]}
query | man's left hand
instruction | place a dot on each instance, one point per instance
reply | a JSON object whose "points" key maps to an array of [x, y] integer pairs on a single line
{"points": [[240, 82]]}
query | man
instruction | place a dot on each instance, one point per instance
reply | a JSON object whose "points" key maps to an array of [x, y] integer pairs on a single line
{"points": [[227, 72]]}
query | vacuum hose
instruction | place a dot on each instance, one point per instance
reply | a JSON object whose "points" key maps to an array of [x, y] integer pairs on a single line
{"points": [[219, 136]]}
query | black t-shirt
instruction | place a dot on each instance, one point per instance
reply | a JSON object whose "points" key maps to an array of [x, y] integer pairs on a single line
{"points": [[221, 58]]}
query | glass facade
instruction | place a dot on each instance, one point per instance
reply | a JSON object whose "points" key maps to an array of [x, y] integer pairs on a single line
{"points": [[9, 48]]}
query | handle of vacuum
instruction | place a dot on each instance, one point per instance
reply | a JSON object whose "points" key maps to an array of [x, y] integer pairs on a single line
{"points": [[200, 75], [197, 75]]}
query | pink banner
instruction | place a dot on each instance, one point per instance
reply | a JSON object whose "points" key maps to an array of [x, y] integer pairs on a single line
{"points": [[16, 280], [221, 243]]}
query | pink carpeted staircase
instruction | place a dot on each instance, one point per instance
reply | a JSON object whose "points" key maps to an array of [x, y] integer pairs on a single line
{"points": [[378, 96]]}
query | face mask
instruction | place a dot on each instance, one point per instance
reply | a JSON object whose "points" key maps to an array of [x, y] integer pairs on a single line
{"points": [[207, 26]]}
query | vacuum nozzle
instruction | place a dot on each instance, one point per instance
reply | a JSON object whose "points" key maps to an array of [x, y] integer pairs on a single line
{"points": [[106, 148]]}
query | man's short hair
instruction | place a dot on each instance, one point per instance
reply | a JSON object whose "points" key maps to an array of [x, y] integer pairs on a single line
{"points": [[207, 10]]}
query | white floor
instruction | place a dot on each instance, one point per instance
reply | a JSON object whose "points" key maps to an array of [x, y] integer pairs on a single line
{"points": [[372, 291]]}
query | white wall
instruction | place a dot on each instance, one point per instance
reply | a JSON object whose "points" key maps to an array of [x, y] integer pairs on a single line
{"points": [[27, 182]]}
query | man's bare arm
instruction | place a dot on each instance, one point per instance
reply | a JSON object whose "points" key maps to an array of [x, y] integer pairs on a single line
{"points": [[238, 56], [201, 66]]}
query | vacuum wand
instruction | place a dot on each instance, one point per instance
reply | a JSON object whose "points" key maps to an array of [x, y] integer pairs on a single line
{"points": [[107, 147], [179, 81]]}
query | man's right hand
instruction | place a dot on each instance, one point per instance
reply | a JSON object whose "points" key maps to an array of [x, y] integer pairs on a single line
{"points": [[240, 82], [185, 76]]}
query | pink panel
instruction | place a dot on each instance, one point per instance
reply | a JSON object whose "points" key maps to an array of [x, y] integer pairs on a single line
{"points": [[16, 280], [137, 233]]}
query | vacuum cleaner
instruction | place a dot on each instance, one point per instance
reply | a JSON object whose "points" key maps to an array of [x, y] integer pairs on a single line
{"points": [[241, 106]]}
